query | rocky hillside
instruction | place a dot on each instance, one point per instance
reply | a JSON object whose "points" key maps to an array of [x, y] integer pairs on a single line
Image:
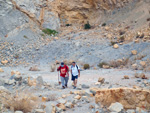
{"points": [[124, 23]]}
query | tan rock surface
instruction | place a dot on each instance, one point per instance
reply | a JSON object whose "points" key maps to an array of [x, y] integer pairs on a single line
{"points": [[128, 97]]}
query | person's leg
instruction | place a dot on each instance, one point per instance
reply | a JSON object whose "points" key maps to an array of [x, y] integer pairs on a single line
{"points": [[66, 81], [62, 82], [75, 81]]}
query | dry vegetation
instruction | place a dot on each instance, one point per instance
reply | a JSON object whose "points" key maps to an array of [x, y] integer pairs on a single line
{"points": [[21, 102]]}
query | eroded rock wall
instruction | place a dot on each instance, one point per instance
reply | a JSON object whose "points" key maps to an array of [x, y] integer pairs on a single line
{"points": [[128, 97]]}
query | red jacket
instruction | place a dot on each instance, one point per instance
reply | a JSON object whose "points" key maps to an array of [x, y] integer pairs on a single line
{"points": [[63, 70]]}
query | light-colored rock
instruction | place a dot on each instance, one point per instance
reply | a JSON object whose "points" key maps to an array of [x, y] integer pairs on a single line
{"points": [[106, 66], [4, 61], [94, 90], [128, 97], [143, 63], [116, 46], [126, 77], [85, 99], [134, 52], [78, 97], [115, 107], [18, 112], [61, 106], [130, 111], [143, 76], [39, 111], [1, 70], [134, 66], [69, 105], [101, 80]]}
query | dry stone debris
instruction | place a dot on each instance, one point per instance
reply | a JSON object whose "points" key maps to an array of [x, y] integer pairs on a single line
{"points": [[126, 77], [134, 52], [101, 80], [1, 70], [116, 46]]}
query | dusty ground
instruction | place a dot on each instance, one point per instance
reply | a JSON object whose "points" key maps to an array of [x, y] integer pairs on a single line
{"points": [[113, 78]]}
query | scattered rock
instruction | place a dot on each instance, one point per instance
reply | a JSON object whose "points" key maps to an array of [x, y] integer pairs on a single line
{"points": [[61, 106], [115, 107], [39, 111], [134, 52], [143, 76], [69, 105], [106, 66], [126, 77], [18, 112], [143, 63], [130, 111], [101, 80], [18, 77], [85, 86], [85, 99], [4, 61], [78, 97], [94, 90], [116, 46], [1, 70], [134, 66], [34, 68], [137, 75]]}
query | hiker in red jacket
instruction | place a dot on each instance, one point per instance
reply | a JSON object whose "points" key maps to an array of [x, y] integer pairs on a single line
{"points": [[64, 74]]}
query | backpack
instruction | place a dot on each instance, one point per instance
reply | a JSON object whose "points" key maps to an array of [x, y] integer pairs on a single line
{"points": [[76, 66]]}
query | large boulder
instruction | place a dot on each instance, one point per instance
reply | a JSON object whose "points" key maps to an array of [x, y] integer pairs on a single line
{"points": [[128, 97]]}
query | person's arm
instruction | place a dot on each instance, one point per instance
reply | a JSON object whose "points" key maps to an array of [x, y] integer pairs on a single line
{"points": [[79, 72], [58, 69]]}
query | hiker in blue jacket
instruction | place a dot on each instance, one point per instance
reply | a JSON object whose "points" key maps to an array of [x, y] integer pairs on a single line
{"points": [[75, 72]]}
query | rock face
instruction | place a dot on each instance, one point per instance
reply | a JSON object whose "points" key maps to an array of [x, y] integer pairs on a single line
{"points": [[128, 97], [82, 10]]}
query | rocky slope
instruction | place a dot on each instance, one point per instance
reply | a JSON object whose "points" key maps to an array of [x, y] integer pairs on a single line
{"points": [[23, 42]]}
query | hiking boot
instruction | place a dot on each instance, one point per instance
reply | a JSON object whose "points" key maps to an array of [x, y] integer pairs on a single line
{"points": [[63, 87], [66, 86], [74, 87]]}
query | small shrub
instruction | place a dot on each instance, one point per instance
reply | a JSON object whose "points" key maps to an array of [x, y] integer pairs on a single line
{"points": [[20, 102], [117, 64], [42, 34], [68, 24], [122, 32], [122, 38], [100, 65], [25, 36], [87, 26], [86, 66], [112, 43], [104, 24], [50, 32]]}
